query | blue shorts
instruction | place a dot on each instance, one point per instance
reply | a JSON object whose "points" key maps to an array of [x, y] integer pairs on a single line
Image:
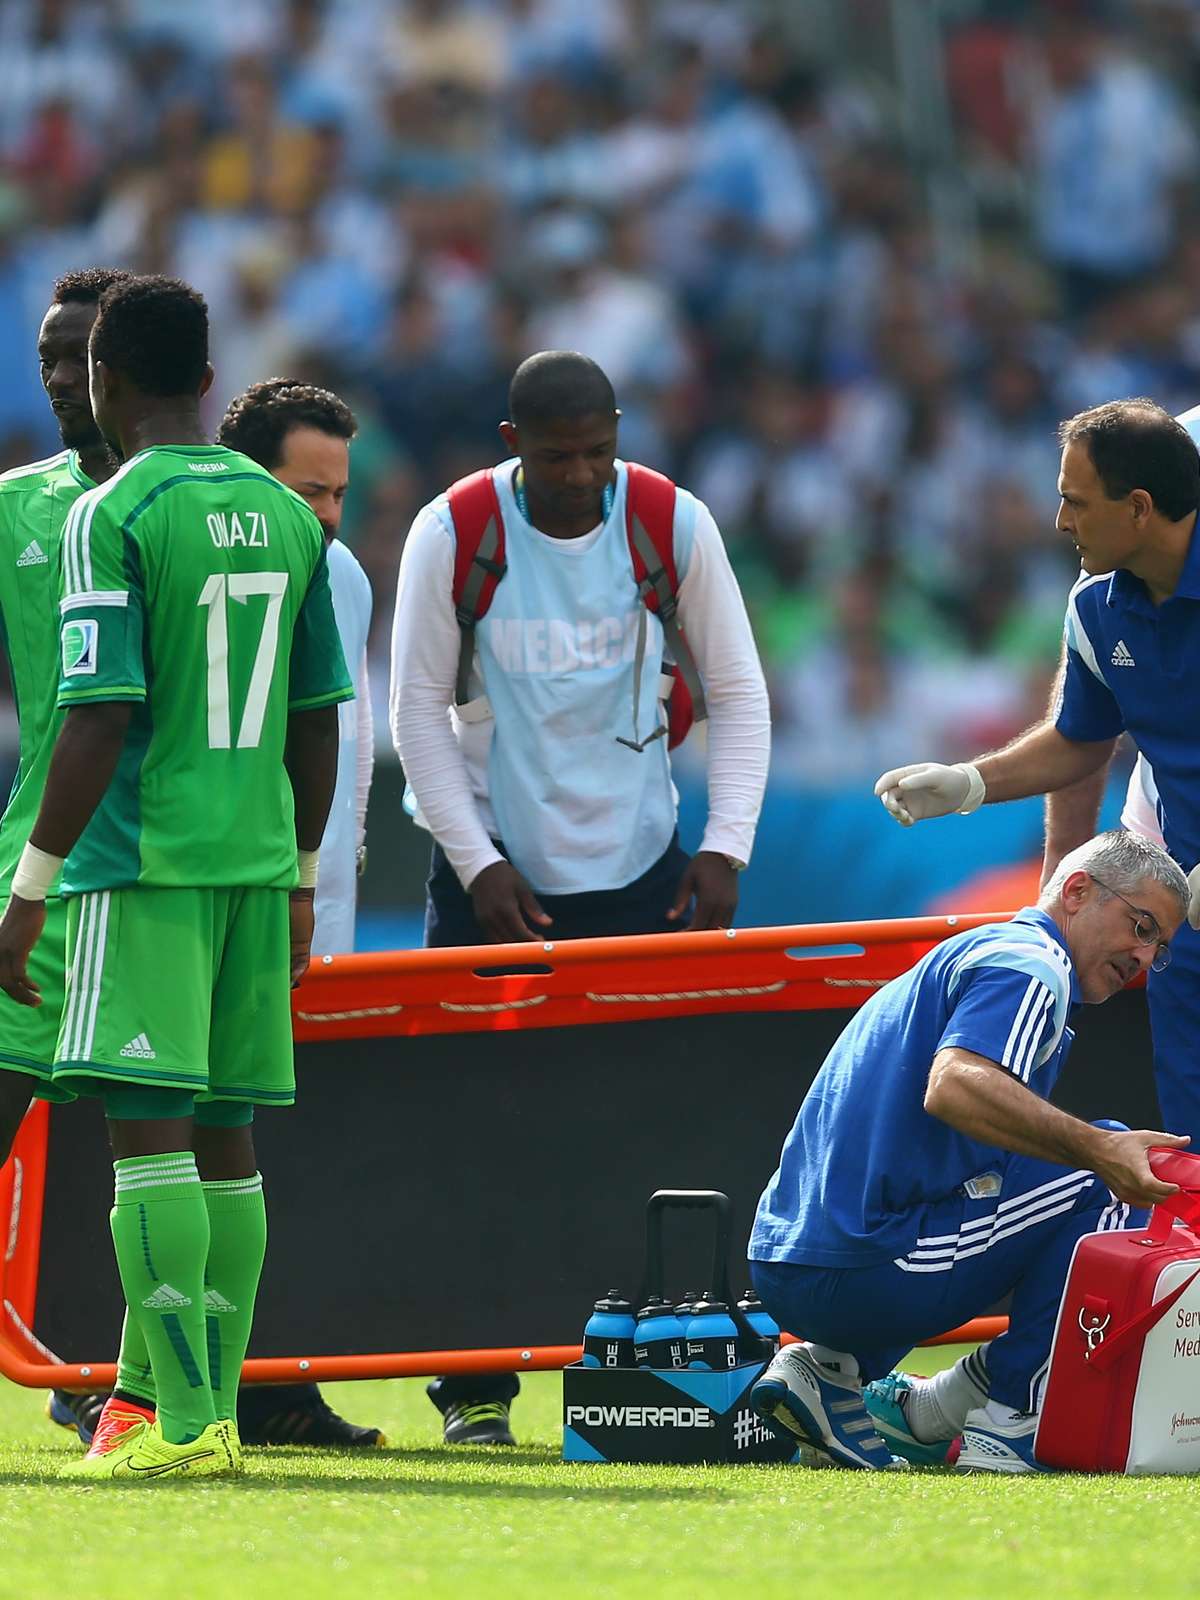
{"points": [[968, 1260]]}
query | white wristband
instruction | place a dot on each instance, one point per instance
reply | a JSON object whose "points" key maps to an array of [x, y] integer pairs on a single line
{"points": [[306, 861], [976, 791], [35, 874]]}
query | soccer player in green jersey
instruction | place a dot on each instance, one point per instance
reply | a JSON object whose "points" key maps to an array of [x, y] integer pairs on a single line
{"points": [[184, 806], [34, 503]]}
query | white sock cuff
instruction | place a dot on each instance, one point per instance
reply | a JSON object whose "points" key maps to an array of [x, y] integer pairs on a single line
{"points": [[155, 1172]]}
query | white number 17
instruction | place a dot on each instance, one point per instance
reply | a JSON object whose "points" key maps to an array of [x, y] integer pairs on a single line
{"points": [[217, 591]]}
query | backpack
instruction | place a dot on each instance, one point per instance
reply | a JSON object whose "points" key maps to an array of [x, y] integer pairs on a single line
{"points": [[479, 566]]}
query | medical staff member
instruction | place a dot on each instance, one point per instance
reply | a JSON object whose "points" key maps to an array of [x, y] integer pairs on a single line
{"points": [[927, 1175]]}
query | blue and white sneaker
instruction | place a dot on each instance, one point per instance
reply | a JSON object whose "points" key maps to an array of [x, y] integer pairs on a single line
{"points": [[800, 1399], [886, 1401], [997, 1440]]}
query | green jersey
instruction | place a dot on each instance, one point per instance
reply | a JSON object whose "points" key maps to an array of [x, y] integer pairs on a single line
{"points": [[34, 503], [195, 585]]}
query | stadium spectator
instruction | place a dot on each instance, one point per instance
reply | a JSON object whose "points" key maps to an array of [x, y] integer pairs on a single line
{"points": [[547, 787], [748, 183], [927, 1176]]}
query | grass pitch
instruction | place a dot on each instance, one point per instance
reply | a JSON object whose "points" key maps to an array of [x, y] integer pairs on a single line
{"points": [[428, 1522]]}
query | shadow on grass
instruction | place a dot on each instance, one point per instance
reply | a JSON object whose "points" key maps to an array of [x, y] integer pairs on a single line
{"points": [[307, 1483], [578, 1480]]}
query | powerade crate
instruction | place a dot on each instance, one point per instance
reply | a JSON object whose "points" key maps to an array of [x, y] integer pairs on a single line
{"points": [[683, 1414]]}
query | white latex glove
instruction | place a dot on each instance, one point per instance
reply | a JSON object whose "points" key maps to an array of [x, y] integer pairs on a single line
{"points": [[914, 794], [1194, 900]]}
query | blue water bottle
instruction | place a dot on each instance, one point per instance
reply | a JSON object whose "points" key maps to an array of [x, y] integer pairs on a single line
{"points": [[763, 1323], [712, 1336], [659, 1341], [608, 1336]]}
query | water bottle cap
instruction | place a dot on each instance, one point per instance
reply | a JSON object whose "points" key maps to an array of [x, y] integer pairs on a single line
{"points": [[707, 1306], [614, 1304], [749, 1302], [655, 1307]]}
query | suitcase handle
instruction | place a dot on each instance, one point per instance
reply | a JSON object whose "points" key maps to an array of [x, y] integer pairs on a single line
{"points": [[1175, 1166]]}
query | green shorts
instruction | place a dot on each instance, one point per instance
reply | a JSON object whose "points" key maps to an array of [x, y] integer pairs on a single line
{"points": [[179, 989], [28, 1033]]}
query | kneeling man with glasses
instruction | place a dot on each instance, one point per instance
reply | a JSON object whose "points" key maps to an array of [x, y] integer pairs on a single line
{"points": [[927, 1176]]}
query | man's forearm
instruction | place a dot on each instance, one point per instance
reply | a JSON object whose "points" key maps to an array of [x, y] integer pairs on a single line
{"points": [[980, 1099], [1040, 761], [311, 760], [85, 757], [1071, 817]]}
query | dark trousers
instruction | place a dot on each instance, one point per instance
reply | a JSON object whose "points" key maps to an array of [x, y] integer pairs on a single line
{"points": [[639, 907]]}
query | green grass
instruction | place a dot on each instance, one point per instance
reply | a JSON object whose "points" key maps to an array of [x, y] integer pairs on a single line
{"points": [[423, 1521]]}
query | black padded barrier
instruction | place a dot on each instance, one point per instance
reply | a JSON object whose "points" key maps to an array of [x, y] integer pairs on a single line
{"points": [[478, 1190]]}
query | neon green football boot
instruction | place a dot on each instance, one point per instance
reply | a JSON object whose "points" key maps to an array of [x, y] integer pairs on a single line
{"points": [[144, 1455]]}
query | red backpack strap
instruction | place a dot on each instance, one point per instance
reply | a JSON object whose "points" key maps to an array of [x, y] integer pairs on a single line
{"points": [[479, 561], [650, 528]]}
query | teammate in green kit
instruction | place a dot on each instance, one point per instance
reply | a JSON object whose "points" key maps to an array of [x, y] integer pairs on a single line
{"points": [[187, 794], [34, 502]]}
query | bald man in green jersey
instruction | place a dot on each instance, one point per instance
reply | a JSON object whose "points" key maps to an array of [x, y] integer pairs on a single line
{"points": [[34, 503]]}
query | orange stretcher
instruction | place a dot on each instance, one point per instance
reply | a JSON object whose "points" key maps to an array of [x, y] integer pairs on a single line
{"points": [[493, 987]]}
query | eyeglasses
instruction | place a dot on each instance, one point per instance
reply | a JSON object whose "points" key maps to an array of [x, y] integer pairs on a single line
{"points": [[1145, 927]]}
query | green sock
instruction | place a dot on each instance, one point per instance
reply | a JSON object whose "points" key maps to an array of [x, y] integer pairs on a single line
{"points": [[237, 1220], [160, 1231], [134, 1377]]}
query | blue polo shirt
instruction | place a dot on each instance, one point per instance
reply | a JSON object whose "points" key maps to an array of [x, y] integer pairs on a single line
{"points": [[865, 1162], [1132, 665]]}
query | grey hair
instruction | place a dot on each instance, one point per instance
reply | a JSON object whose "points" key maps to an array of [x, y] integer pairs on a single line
{"points": [[1123, 860]]}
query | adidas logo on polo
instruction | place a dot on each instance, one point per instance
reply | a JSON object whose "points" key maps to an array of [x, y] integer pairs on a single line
{"points": [[140, 1047], [1121, 656], [33, 555], [214, 1300], [165, 1298]]}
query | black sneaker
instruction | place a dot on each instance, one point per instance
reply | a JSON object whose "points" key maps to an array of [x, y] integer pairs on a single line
{"points": [[295, 1413], [77, 1412], [478, 1422]]}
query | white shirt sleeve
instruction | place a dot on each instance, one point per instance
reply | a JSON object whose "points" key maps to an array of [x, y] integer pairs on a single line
{"points": [[425, 643], [713, 616], [364, 752]]}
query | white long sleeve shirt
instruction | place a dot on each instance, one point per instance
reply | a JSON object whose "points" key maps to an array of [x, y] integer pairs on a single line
{"points": [[560, 788], [337, 880]]}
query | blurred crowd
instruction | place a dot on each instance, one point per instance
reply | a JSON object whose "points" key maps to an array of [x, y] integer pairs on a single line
{"points": [[851, 328]]}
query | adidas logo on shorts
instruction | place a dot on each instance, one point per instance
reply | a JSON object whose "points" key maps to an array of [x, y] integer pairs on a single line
{"points": [[214, 1300], [33, 555], [140, 1048], [165, 1298]]}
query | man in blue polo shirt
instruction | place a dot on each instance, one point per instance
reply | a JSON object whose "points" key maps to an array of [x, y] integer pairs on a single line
{"points": [[926, 1175], [1129, 483]]}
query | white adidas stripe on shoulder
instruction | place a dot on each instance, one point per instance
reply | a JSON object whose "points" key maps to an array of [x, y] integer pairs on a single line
{"points": [[77, 535], [1075, 632], [32, 467]]}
